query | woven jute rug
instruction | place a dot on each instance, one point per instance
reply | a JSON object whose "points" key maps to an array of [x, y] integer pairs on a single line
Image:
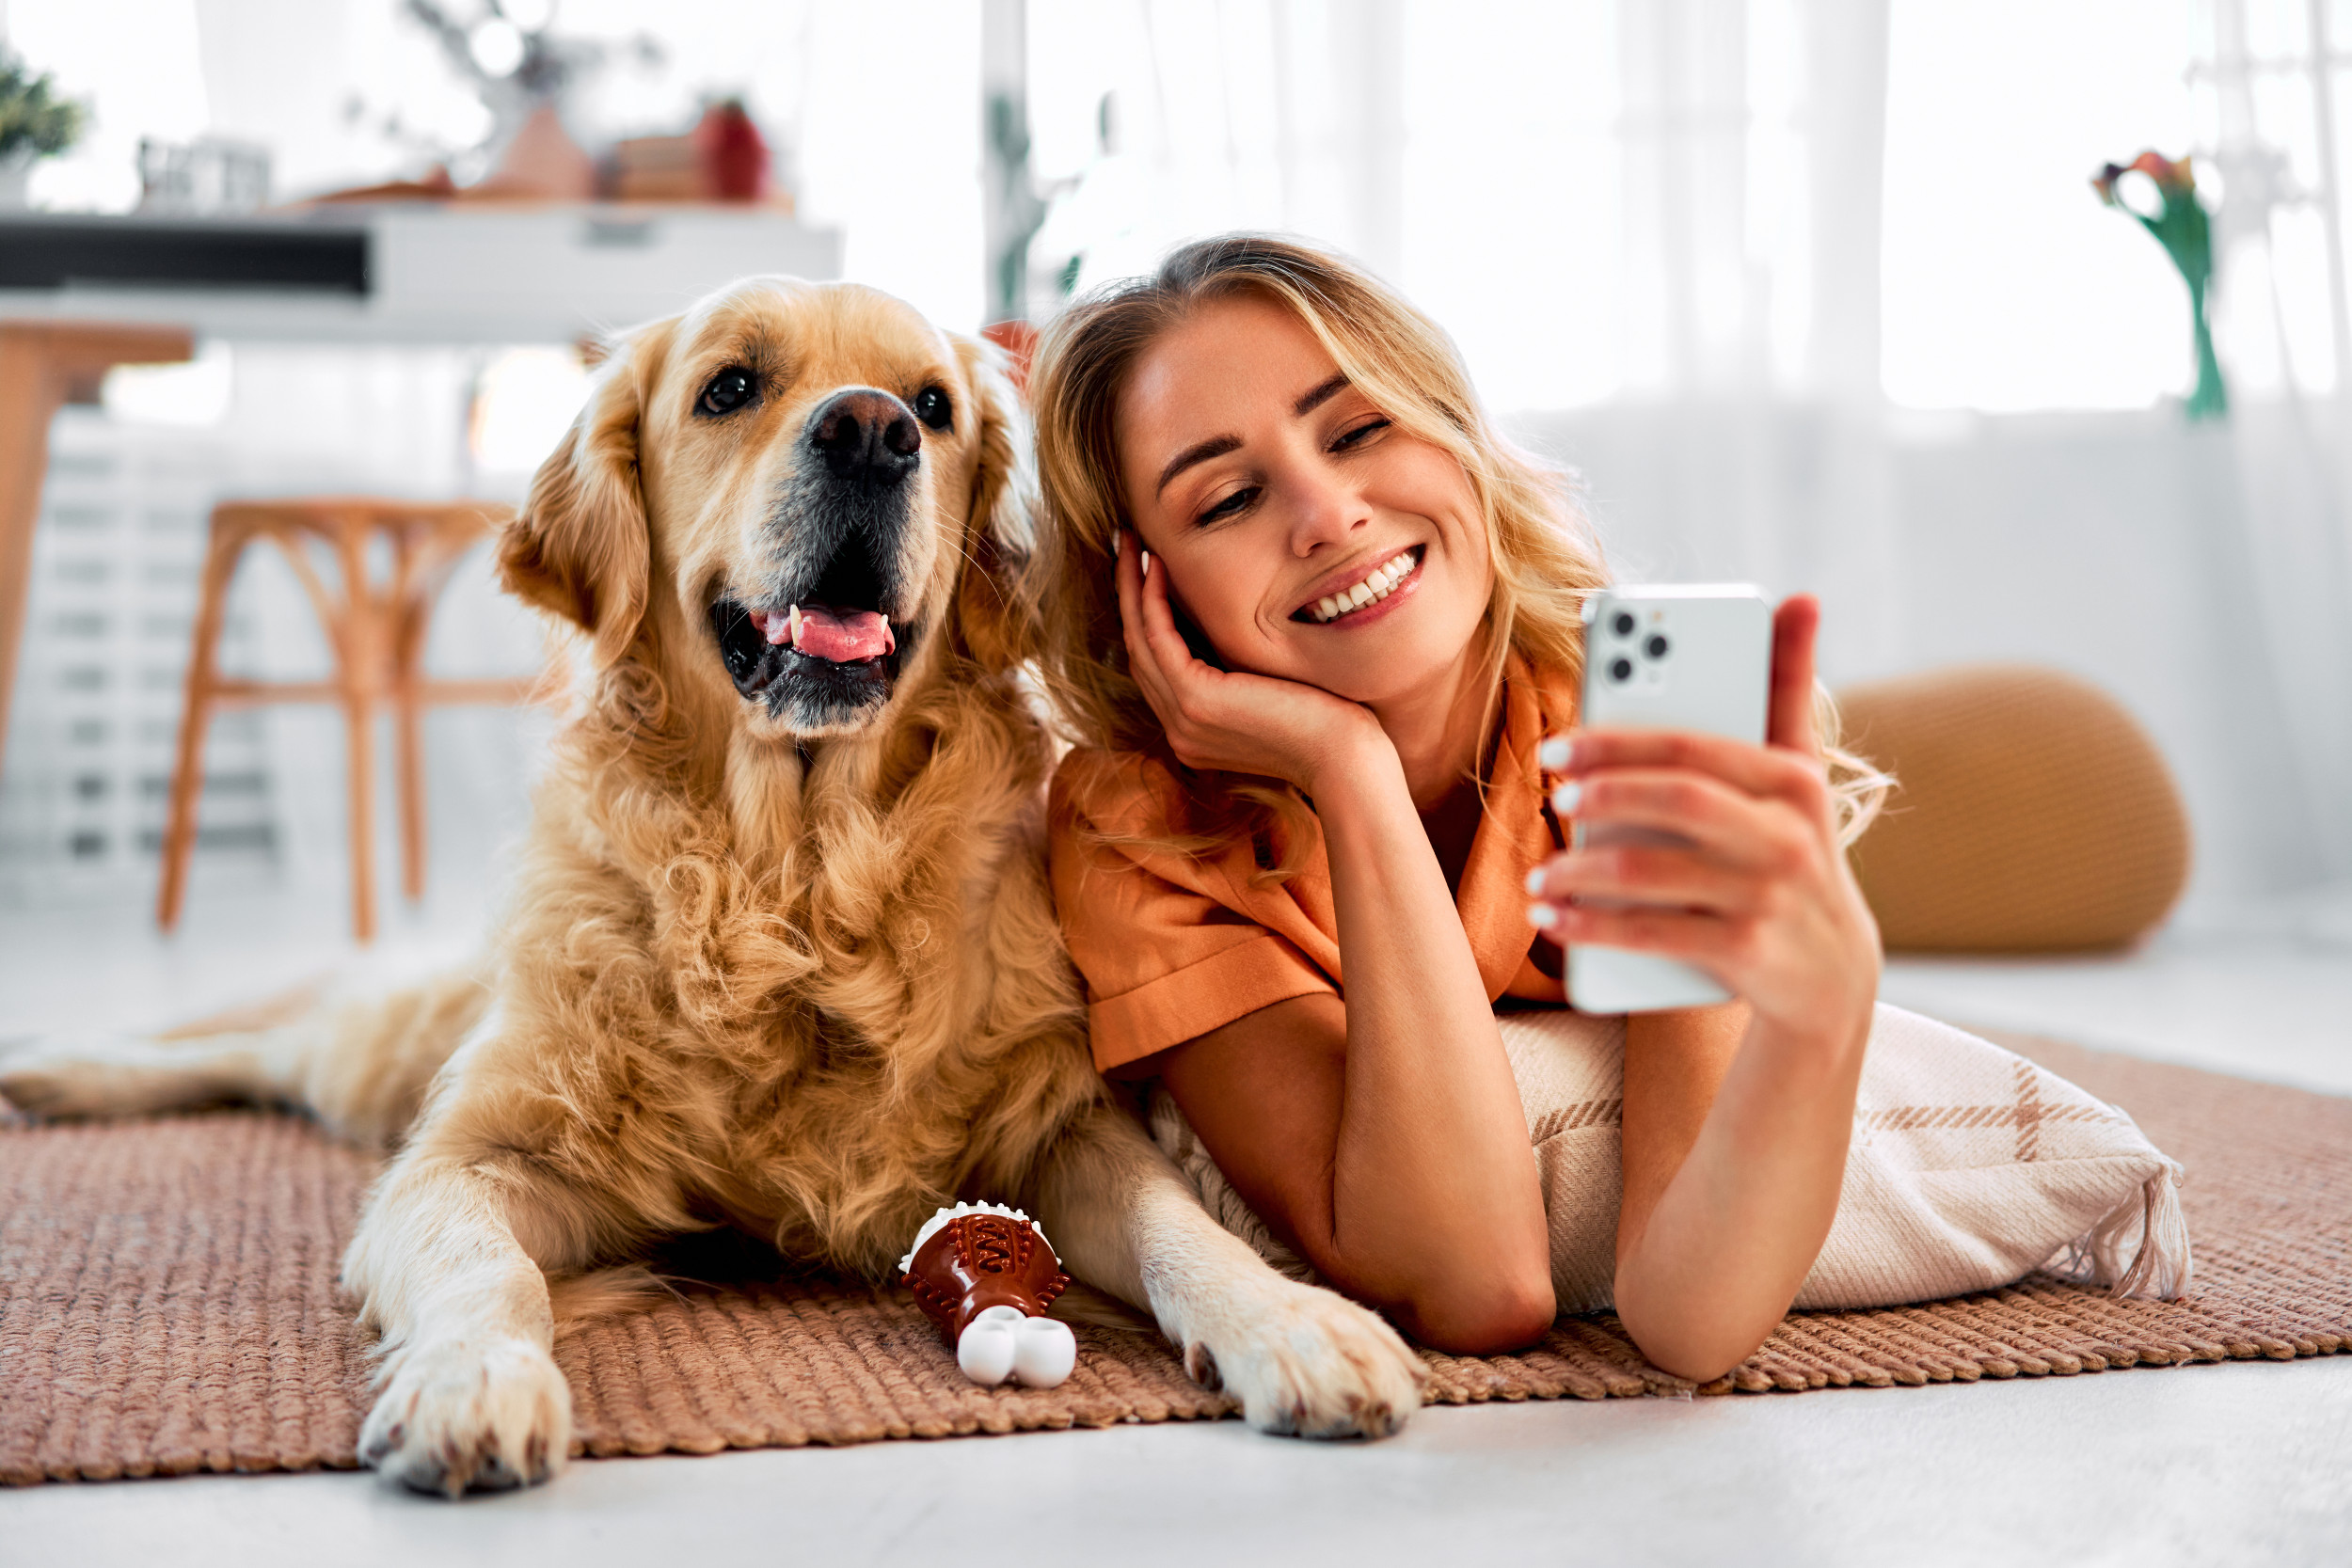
{"points": [[168, 1304]]}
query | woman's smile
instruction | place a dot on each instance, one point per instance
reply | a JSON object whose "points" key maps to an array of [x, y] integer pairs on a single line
{"points": [[1344, 600]]}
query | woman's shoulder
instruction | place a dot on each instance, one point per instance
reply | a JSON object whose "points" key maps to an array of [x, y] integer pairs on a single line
{"points": [[1125, 794]]}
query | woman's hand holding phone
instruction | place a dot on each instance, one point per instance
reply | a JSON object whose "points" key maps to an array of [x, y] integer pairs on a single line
{"points": [[1761, 898], [1229, 720], [1735, 1129]]}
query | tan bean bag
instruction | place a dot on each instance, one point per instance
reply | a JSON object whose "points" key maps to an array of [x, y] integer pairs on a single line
{"points": [[2030, 814]]}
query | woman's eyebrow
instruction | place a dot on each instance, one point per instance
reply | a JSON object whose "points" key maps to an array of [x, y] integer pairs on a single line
{"points": [[1217, 445], [1320, 395], [1199, 452]]}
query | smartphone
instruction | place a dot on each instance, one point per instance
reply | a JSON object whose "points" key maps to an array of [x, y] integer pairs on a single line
{"points": [[1670, 656]]}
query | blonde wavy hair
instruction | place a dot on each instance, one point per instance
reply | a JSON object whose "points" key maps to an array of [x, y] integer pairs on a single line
{"points": [[1546, 563]]}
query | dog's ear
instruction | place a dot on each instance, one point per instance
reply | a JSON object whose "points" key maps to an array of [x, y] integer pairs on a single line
{"points": [[993, 622], [579, 547]]}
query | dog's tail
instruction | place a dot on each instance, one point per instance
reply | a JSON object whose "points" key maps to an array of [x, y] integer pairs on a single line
{"points": [[579, 1299], [358, 1056]]}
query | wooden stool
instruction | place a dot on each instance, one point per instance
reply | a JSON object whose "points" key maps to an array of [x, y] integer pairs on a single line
{"points": [[375, 632]]}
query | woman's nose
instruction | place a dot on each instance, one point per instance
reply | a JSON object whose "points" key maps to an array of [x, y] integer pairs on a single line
{"points": [[1324, 511]]}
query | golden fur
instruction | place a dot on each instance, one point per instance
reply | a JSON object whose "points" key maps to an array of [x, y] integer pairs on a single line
{"points": [[744, 978], [775, 958]]}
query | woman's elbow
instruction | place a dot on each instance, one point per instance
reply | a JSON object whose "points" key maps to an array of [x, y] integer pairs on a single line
{"points": [[1701, 1351], [1483, 1317]]}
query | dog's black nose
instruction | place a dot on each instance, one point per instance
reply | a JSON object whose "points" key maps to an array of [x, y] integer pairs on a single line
{"points": [[868, 434]]}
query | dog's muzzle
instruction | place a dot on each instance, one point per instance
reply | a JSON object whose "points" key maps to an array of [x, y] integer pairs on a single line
{"points": [[826, 642]]}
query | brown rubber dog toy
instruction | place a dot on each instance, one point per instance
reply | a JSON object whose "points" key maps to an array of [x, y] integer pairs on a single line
{"points": [[986, 1274]]}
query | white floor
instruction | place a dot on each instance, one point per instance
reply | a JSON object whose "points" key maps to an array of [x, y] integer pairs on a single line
{"points": [[2235, 1464]]}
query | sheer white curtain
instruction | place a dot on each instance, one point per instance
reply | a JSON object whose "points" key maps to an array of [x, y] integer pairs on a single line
{"points": [[2274, 86], [1664, 214], [1687, 245]]}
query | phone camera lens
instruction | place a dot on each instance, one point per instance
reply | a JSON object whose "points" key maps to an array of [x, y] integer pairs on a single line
{"points": [[1656, 647], [1622, 623], [1620, 669]]}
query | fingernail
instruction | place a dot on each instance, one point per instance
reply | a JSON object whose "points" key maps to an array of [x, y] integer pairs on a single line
{"points": [[1564, 798], [1536, 881], [1119, 543], [1542, 915], [1553, 753], [1147, 562]]}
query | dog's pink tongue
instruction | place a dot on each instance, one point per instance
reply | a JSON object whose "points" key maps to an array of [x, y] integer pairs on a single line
{"points": [[838, 636], [843, 636]]}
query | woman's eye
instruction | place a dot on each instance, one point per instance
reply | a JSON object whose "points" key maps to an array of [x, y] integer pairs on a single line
{"points": [[1356, 435], [729, 391], [1231, 506], [932, 408]]}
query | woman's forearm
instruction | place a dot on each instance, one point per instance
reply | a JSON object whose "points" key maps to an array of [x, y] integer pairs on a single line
{"points": [[1436, 1207], [1720, 1255]]}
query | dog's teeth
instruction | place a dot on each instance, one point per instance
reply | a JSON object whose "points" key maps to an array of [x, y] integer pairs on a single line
{"points": [[795, 614]]}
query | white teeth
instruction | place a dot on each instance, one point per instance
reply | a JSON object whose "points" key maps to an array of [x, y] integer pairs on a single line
{"points": [[796, 625], [1378, 585]]}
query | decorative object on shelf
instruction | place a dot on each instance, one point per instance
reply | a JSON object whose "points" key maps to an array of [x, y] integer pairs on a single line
{"points": [[203, 177], [541, 163], [2182, 226], [734, 155], [34, 124], [513, 59], [724, 158], [985, 1274], [654, 169]]}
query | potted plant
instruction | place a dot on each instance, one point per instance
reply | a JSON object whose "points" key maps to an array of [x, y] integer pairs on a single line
{"points": [[2181, 226], [32, 124]]}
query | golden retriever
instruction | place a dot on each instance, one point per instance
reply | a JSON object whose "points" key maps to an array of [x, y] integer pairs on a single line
{"points": [[781, 953]]}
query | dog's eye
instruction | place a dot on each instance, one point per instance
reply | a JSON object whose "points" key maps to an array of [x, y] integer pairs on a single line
{"points": [[932, 408], [729, 391]]}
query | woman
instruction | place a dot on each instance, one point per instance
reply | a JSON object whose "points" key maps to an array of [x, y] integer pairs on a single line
{"points": [[1314, 628]]}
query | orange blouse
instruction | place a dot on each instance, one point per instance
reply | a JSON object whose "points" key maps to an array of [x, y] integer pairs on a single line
{"points": [[1172, 946]]}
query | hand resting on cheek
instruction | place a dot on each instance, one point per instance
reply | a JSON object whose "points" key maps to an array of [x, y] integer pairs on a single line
{"points": [[1229, 721]]}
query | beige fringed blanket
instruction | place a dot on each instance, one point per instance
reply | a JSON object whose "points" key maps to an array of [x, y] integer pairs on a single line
{"points": [[1970, 1166]]}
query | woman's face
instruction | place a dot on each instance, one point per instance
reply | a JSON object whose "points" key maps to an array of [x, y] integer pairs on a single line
{"points": [[1309, 538]]}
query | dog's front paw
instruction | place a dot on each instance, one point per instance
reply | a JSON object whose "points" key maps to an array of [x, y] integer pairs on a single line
{"points": [[1304, 1360], [479, 1415]]}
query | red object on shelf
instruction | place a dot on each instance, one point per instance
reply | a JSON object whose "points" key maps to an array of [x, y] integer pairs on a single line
{"points": [[734, 154]]}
